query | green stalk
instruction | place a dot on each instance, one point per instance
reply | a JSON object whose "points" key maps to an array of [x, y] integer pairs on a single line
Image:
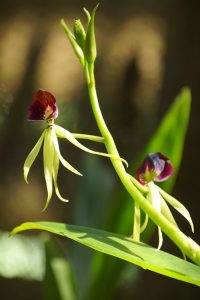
{"points": [[186, 244]]}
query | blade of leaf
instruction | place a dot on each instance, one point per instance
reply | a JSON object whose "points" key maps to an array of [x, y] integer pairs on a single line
{"points": [[59, 281], [122, 247]]}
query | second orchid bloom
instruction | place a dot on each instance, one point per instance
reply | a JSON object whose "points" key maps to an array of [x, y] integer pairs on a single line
{"points": [[156, 167], [45, 108]]}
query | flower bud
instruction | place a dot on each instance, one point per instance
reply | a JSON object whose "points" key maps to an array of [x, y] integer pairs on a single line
{"points": [[90, 42], [79, 33]]}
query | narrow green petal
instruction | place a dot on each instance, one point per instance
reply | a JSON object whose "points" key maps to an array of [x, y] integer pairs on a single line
{"points": [[154, 196], [48, 156], [63, 133], [32, 156], [55, 176], [178, 206], [136, 223], [167, 213], [87, 14], [62, 160], [145, 223], [94, 138], [160, 239]]}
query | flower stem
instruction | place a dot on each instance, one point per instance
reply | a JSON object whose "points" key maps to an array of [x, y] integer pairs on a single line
{"points": [[186, 244]]}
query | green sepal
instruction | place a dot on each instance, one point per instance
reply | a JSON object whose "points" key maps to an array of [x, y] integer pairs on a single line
{"points": [[87, 15], [167, 213], [62, 160], [63, 133], [32, 156], [90, 50], [56, 163], [79, 33], [155, 199], [89, 137], [178, 206], [77, 49], [48, 156]]}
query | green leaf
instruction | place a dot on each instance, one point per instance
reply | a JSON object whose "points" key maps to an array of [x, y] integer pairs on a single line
{"points": [[124, 248], [169, 138], [59, 281], [32, 156]]}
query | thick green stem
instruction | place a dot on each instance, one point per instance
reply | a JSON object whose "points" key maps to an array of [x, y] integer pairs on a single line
{"points": [[186, 244]]}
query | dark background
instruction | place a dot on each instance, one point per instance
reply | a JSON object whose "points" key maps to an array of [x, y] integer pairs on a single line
{"points": [[147, 51]]}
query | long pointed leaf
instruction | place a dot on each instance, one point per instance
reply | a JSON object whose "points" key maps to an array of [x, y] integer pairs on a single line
{"points": [[124, 248]]}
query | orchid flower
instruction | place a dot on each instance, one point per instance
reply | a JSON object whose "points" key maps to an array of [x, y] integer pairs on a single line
{"points": [[44, 108], [156, 167]]}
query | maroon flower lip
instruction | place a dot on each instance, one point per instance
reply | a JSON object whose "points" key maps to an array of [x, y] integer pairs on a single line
{"points": [[44, 107], [155, 167]]}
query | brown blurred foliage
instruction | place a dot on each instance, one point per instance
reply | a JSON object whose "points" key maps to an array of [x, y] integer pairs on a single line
{"points": [[147, 50]]}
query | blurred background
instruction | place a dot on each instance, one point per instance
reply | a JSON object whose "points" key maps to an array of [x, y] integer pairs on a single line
{"points": [[147, 51]]}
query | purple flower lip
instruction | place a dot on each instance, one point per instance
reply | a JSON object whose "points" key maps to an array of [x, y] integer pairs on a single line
{"points": [[155, 167], [44, 107]]}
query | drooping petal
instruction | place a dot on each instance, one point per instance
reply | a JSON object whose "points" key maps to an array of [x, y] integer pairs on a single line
{"points": [[160, 238], [155, 199], [62, 160], [44, 107], [63, 133], [94, 138], [167, 213], [178, 206], [145, 223], [55, 176], [32, 156], [48, 156], [155, 167]]}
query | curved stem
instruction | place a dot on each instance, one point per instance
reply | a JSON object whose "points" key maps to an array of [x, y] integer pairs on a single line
{"points": [[186, 244]]}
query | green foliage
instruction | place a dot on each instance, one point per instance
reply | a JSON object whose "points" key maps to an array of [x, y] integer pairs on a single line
{"points": [[122, 247]]}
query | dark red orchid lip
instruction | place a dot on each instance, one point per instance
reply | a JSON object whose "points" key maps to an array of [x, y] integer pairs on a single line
{"points": [[44, 107], [155, 167]]}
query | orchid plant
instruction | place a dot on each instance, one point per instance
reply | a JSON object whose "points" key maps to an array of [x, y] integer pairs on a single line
{"points": [[142, 188]]}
